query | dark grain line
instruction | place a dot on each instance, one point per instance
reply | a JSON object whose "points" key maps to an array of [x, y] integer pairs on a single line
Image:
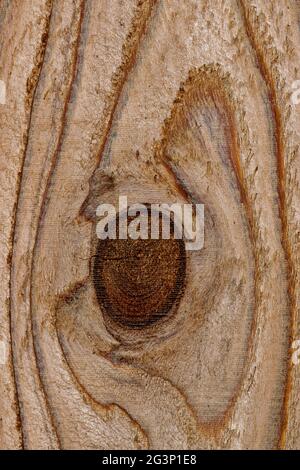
{"points": [[130, 48], [267, 76], [210, 80], [52, 167], [278, 134], [93, 403], [32, 84]]}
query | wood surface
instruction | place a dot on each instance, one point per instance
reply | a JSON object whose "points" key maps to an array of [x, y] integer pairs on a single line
{"points": [[162, 101]]}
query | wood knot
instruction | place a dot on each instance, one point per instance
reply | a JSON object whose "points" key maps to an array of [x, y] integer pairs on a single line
{"points": [[139, 282]]}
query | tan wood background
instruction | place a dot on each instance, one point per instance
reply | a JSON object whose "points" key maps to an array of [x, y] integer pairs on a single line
{"points": [[167, 100]]}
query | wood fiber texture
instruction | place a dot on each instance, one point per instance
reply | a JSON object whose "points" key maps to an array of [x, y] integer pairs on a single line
{"points": [[141, 344]]}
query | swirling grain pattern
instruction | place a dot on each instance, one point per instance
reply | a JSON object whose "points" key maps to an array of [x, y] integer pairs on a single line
{"points": [[130, 344]]}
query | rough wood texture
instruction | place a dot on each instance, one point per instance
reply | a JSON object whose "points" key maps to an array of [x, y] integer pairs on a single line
{"points": [[162, 101]]}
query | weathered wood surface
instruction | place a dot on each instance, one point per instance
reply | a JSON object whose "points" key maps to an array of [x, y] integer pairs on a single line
{"points": [[163, 100]]}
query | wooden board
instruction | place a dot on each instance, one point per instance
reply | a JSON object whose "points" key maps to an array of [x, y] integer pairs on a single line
{"points": [[162, 101]]}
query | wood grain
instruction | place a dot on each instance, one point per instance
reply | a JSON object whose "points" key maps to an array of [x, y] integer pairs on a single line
{"points": [[162, 101]]}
